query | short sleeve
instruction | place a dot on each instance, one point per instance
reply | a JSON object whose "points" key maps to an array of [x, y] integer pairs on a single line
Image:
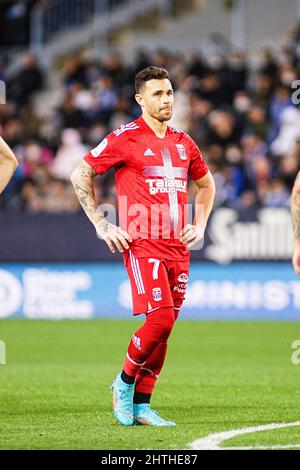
{"points": [[106, 155], [198, 167]]}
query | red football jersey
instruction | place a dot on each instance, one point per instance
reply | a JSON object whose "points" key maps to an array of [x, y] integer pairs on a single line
{"points": [[151, 184]]}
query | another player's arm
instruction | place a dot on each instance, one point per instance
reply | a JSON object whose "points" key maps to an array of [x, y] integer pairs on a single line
{"points": [[8, 164], [295, 211], [83, 182], [191, 234]]}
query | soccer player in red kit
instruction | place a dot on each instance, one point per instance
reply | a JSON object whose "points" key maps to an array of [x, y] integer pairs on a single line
{"points": [[152, 163]]}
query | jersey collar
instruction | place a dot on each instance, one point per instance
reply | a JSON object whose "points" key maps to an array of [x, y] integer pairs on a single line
{"points": [[142, 123]]}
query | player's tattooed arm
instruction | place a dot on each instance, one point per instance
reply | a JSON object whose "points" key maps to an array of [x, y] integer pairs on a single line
{"points": [[83, 182], [193, 233], [8, 164], [82, 179], [295, 212]]}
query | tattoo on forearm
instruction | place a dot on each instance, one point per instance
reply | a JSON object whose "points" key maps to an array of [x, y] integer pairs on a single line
{"points": [[85, 192], [82, 194], [295, 208]]}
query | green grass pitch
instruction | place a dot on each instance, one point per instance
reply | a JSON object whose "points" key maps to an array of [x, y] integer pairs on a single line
{"points": [[218, 376]]}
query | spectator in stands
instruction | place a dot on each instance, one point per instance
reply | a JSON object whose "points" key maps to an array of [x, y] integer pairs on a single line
{"points": [[27, 80], [69, 154], [289, 131]]}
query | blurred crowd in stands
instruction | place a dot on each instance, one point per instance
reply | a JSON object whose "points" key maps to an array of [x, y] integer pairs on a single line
{"points": [[16, 15], [242, 117], [15, 21]]}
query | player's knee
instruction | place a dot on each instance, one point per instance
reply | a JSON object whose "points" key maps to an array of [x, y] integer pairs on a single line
{"points": [[176, 313], [166, 330], [162, 321]]}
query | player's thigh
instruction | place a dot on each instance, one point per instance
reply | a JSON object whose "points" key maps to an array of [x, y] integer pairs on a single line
{"points": [[178, 279], [149, 281]]}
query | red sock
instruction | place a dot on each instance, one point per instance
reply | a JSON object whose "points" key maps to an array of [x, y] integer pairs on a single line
{"points": [[155, 330], [148, 374]]}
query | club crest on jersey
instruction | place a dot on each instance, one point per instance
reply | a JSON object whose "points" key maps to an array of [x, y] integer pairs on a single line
{"points": [[182, 278], [99, 149], [157, 294], [181, 151]]}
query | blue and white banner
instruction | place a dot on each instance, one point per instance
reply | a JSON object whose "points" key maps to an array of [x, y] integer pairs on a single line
{"points": [[243, 291]]}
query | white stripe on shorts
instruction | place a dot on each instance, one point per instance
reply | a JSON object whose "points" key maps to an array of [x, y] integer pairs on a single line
{"points": [[140, 275], [135, 274]]}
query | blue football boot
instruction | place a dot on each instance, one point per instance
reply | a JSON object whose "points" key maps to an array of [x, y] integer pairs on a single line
{"points": [[145, 416], [122, 401]]}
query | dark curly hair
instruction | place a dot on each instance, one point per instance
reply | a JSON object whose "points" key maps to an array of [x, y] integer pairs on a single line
{"points": [[149, 73]]}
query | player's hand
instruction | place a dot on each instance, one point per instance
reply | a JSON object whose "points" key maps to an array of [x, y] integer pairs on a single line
{"points": [[191, 234], [113, 235], [296, 257]]}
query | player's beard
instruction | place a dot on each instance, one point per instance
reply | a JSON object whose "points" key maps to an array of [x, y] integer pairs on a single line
{"points": [[162, 116]]}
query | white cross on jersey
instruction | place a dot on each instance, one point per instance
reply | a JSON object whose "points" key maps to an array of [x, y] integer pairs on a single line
{"points": [[170, 172]]}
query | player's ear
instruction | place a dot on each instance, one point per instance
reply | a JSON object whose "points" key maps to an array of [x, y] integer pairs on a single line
{"points": [[139, 99]]}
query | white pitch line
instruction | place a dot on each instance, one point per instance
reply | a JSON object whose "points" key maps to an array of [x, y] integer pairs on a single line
{"points": [[213, 441]]}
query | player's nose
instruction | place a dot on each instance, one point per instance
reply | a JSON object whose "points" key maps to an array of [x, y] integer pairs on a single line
{"points": [[167, 103], [167, 99]]}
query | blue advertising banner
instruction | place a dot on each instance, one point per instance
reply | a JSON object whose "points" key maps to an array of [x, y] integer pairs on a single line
{"points": [[240, 291]]}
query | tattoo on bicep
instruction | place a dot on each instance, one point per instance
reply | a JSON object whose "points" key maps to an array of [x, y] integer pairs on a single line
{"points": [[86, 172]]}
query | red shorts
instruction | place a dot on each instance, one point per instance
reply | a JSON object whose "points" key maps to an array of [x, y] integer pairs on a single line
{"points": [[156, 283]]}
